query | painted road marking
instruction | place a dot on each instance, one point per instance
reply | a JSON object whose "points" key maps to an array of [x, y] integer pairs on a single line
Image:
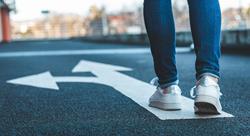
{"points": [[83, 52], [106, 74]]}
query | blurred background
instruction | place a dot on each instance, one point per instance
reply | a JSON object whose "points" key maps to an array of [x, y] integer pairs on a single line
{"points": [[51, 19]]}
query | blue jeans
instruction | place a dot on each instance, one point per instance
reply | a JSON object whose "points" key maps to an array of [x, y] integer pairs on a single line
{"points": [[205, 20]]}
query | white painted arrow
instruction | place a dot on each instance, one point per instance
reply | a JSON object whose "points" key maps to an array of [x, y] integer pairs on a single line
{"points": [[135, 89], [43, 80], [47, 81]]}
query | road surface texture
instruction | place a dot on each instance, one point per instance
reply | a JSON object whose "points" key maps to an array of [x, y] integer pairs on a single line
{"points": [[96, 109]]}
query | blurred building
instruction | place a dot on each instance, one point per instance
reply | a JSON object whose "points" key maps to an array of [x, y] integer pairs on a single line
{"points": [[236, 18], [181, 15], [98, 22], [232, 18], [126, 22], [123, 22], [5, 7], [52, 26]]}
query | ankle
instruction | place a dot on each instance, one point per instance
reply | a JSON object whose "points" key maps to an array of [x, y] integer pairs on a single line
{"points": [[201, 80], [214, 79]]}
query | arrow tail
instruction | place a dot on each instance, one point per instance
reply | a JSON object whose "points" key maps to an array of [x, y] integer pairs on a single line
{"points": [[77, 79]]}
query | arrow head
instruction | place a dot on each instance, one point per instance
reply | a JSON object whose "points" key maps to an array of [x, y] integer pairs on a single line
{"points": [[42, 80], [88, 66]]}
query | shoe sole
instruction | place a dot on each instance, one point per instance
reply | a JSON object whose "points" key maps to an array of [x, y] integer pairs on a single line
{"points": [[166, 106], [206, 105]]}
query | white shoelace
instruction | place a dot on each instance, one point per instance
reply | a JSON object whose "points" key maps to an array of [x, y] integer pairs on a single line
{"points": [[193, 90], [154, 81]]}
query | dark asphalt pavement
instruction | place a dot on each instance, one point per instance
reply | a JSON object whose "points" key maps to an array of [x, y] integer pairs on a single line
{"points": [[94, 109]]}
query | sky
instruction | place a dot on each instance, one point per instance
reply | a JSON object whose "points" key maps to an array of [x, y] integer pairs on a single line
{"points": [[31, 9]]}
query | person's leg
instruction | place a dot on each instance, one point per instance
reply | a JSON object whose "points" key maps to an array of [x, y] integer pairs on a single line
{"points": [[205, 19], [161, 32], [205, 16]]}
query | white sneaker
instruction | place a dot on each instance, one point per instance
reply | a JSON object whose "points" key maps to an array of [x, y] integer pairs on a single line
{"points": [[207, 96], [166, 99]]}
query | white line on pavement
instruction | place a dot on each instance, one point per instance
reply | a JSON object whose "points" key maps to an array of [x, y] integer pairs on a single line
{"points": [[107, 74], [82, 52]]}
